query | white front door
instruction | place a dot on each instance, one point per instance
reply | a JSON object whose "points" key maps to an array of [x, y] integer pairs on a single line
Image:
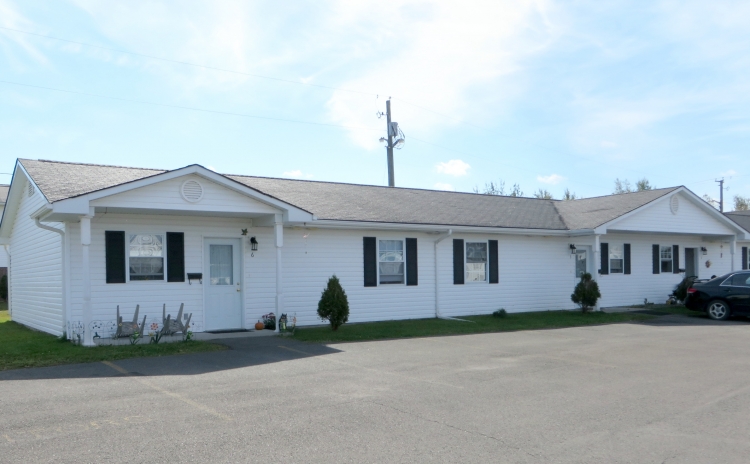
{"points": [[222, 279]]}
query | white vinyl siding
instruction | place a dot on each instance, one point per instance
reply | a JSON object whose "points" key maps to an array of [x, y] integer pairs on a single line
{"points": [[35, 284]]}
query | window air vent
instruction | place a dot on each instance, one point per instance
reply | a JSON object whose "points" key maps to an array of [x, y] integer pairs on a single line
{"points": [[674, 204], [30, 189], [192, 191]]}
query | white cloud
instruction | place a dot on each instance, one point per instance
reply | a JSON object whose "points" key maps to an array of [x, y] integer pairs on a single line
{"points": [[297, 174], [442, 186], [729, 173], [453, 168], [552, 179]]}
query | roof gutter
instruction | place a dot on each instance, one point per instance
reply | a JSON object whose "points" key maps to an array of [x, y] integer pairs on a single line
{"points": [[437, 293]]}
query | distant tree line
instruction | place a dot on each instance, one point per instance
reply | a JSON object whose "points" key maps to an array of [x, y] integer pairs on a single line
{"points": [[498, 188]]}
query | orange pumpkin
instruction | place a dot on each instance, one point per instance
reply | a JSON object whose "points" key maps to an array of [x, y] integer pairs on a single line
{"points": [[259, 326]]}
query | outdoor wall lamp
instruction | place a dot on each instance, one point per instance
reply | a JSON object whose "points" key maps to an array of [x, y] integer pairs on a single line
{"points": [[704, 251], [253, 244], [572, 249]]}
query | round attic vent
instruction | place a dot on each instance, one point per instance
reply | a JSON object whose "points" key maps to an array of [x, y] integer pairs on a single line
{"points": [[192, 191], [674, 204], [30, 189]]}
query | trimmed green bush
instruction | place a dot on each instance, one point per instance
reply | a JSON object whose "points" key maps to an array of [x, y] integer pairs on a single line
{"points": [[500, 313], [334, 306], [586, 293]]}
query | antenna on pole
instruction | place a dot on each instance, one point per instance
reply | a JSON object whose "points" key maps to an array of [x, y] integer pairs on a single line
{"points": [[721, 193], [393, 132]]}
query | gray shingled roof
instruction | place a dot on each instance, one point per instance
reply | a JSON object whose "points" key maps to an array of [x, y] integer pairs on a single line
{"points": [[369, 203], [4, 192], [740, 217]]}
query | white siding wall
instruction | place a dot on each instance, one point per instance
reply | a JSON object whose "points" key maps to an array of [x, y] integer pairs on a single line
{"points": [[35, 271], [536, 273], [166, 195], [3, 254], [621, 289], [690, 219]]}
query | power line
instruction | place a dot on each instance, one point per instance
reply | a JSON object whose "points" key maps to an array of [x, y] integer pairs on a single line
{"points": [[191, 108], [187, 63]]}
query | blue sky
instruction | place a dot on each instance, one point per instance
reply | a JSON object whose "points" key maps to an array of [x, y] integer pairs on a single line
{"points": [[545, 94]]}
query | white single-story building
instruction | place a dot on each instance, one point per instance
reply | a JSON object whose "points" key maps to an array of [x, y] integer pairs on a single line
{"points": [[743, 219], [85, 238]]}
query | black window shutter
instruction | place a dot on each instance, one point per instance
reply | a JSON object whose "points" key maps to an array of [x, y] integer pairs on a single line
{"points": [[675, 259], [626, 250], [494, 265], [412, 277], [458, 261], [604, 258], [744, 257], [655, 258], [114, 250], [371, 262], [175, 257]]}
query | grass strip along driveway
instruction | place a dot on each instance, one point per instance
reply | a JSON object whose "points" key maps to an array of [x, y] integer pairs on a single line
{"points": [[477, 324], [23, 347]]}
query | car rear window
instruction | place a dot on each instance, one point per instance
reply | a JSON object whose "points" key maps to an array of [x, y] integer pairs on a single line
{"points": [[738, 280]]}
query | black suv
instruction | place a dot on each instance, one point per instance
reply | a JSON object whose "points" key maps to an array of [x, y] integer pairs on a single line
{"points": [[721, 297]]}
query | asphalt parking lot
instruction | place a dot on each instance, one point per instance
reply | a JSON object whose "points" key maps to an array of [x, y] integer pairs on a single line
{"points": [[677, 390]]}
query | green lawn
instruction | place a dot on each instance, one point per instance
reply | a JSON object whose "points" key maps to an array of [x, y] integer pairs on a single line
{"points": [[22, 347], [479, 324]]}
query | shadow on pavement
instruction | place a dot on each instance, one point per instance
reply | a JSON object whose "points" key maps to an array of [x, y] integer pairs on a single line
{"points": [[242, 352], [693, 320]]}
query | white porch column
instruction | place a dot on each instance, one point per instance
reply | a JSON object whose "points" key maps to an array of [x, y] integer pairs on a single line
{"points": [[278, 227], [597, 262], [733, 251], [86, 277]]}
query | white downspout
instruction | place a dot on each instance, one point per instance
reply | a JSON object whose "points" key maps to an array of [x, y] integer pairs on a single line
{"points": [[437, 292], [597, 263], [732, 250], [88, 339], [62, 272], [278, 227]]}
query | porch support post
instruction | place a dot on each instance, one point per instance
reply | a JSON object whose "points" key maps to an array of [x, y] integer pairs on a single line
{"points": [[596, 264], [88, 339], [732, 251], [278, 227]]}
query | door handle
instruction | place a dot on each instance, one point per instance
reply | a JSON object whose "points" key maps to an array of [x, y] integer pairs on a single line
{"points": [[238, 287]]}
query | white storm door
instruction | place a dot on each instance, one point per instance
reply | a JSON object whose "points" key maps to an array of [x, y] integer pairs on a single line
{"points": [[222, 280], [581, 263]]}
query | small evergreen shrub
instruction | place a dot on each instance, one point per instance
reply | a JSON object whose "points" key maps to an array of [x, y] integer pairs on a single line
{"points": [[680, 290], [4, 287], [586, 293], [500, 313], [334, 306]]}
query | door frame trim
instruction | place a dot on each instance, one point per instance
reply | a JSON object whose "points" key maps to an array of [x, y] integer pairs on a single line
{"points": [[204, 238]]}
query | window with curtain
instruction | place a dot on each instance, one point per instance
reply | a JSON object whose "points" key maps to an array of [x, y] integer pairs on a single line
{"points": [[616, 259], [666, 258], [476, 261], [146, 257], [391, 261], [222, 265]]}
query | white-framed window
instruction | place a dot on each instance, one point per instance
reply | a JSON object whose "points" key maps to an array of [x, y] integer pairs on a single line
{"points": [[146, 257], [665, 255], [476, 261], [616, 259], [391, 262]]}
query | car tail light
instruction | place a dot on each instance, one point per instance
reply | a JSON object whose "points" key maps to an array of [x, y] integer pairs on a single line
{"points": [[691, 290]]}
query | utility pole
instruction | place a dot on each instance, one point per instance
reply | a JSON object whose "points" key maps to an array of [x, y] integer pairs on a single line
{"points": [[391, 180], [721, 194], [393, 132]]}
